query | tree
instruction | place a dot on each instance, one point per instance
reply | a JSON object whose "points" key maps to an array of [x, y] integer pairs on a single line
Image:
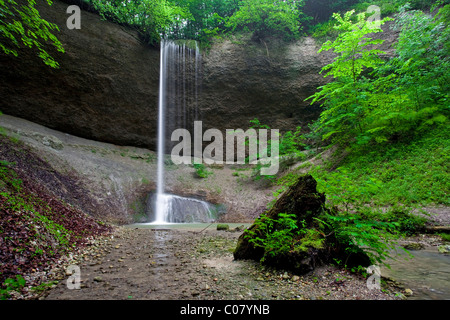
{"points": [[375, 100], [416, 79], [206, 19], [21, 25], [268, 17], [150, 18], [345, 100]]}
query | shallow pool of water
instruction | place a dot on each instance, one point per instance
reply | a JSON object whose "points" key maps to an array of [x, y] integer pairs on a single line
{"points": [[427, 274], [186, 226]]}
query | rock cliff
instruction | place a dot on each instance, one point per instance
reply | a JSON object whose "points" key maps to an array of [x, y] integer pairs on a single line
{"points": [[106, 88], [269, 81]]}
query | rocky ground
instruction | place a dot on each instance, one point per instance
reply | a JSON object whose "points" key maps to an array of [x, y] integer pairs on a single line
{"points": [[175, 264]]}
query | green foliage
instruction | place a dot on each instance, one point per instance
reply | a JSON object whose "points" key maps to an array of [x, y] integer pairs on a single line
{"points": [[324, 30], [44, 286], [281, 236], [445, 236], [11, 189], [345, 100], [150, 18], [352, 47], [57, 231], [206, 19], [413, 86], [341, 189], [290, 146], [11, 285], [377, 101], [376, 192], [285, 19], [22, 26], [18, 283], [357, 233], [201, 170], [413, 174], [405, 221], [268, 18], [292, 143]]}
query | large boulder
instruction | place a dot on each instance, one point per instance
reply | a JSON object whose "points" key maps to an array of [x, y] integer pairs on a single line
{"points": [[304, 201]]}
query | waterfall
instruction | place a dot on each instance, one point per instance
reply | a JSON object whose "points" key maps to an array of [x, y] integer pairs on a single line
{"points": [[179, 82], [176, 209], [159, 210]]}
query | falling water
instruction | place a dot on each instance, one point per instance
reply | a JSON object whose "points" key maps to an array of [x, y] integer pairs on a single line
{"points": [[159, 203], [180, 67]]}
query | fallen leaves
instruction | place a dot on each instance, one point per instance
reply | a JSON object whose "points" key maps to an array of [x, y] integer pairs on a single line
{"points": [[37, 226]]}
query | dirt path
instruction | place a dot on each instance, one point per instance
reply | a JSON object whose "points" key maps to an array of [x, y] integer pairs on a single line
{"points": [[187, 265]]}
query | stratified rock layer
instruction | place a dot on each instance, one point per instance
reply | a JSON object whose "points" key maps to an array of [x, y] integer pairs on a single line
{"points": [[106, 88]]}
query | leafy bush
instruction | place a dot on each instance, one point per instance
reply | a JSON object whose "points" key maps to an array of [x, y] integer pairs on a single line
{"points": [[338, 230], [268, 18], [150, 18], [345, 99], [201, 171], [290, 147], [324, 30], [204, 20], [404, 220], [357, 233], [372, 100]]}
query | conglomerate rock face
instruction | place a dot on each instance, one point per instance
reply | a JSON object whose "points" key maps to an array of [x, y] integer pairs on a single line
{"points": [[107, 86]]}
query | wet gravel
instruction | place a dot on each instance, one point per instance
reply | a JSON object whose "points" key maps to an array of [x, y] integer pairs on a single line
{"points": [[172, 264]]}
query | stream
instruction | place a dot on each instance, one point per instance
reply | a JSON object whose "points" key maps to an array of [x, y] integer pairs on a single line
{"points": [[427, 274]]}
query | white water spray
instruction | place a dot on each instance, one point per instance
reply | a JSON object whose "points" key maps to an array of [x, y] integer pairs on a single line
{"points": [[178, 90], [159, 203]]}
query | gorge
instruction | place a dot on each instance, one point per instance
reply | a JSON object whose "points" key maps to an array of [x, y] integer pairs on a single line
{"points": [[106, 90], [88, 174]]}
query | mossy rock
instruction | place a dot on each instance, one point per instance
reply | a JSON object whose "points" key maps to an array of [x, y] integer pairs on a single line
{"points": [[223, 227], [301, 199], [304, 201]]}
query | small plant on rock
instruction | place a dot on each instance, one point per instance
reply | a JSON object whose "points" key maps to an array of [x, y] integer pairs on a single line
{"points": [[201, 171]]}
